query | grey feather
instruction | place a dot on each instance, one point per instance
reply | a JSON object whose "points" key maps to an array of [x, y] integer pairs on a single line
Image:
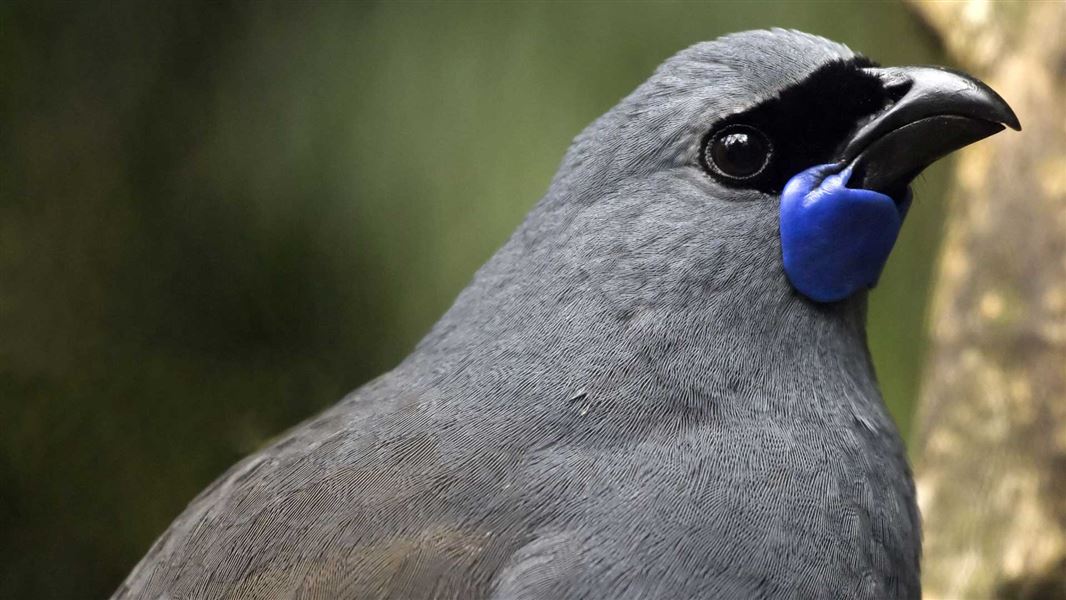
{"points": [[628, 401]]}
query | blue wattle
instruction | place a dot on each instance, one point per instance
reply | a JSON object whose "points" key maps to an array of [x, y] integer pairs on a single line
{"points": [[835, 240]]}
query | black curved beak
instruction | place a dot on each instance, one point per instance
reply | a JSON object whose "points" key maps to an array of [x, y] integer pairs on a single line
{"points": [[936, 111]]}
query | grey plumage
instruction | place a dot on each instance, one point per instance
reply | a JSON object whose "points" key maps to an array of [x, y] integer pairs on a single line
{"points": [[628, 401]]}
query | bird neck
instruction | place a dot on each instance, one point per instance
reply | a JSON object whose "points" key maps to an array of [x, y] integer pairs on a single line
{"points": [[529, 324]]}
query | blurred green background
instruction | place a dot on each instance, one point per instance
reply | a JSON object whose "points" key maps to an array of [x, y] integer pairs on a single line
{"points": [[217, 218]]}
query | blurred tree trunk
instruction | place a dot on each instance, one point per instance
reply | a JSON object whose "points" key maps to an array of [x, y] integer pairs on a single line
{"points": [[991, 429]]}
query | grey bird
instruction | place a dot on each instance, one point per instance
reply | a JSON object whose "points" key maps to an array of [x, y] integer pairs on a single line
{"points": [[659, 388]]}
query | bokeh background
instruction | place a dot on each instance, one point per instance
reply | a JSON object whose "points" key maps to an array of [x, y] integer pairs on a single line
{"points": [[217, 218]]}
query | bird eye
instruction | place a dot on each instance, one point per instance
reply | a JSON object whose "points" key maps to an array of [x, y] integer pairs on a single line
{"points": [[737, 152]]}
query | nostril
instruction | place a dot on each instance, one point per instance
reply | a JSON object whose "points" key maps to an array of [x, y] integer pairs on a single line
{"points": [[897, 88], [895, 82]]}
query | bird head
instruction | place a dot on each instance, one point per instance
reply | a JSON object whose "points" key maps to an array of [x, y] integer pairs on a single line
{"points": [[762, 162]]}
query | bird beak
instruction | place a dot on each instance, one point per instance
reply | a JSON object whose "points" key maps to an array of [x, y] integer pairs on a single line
{"points": [[936, 112]]}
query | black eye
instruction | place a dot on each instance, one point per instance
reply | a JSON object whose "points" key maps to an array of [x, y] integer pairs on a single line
{"points": [[737, 152]]}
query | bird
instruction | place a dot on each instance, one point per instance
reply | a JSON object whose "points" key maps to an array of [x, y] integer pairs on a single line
{"points": [[658, 388]]}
